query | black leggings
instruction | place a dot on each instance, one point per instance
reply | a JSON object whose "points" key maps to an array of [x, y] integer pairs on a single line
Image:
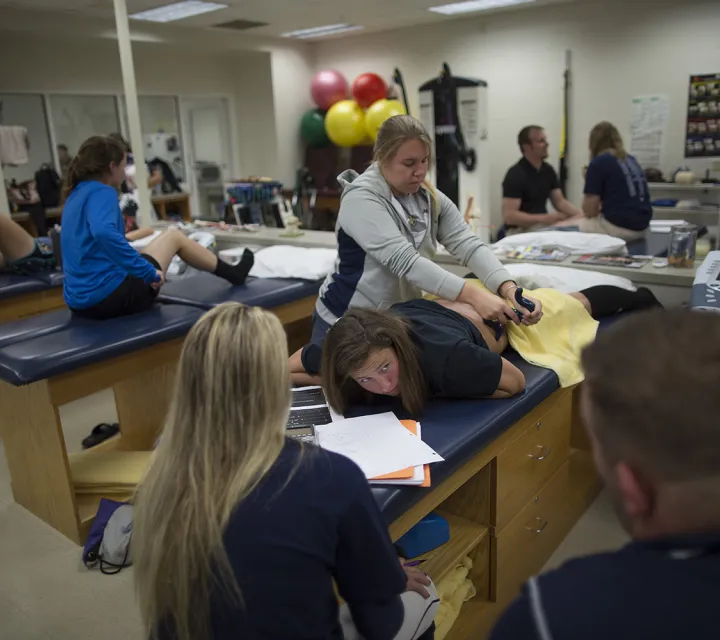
{"points": [[606, 300]]}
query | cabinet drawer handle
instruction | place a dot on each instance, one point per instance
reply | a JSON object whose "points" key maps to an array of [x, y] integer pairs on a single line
{"points": [[544, 455], [538, 527]]}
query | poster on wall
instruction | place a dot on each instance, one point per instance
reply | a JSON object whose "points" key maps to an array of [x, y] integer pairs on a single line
{"points": [[702, 138], [648, 126]]}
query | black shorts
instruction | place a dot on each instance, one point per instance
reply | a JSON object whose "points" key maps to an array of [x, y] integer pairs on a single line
{"points": [[132, 296]]}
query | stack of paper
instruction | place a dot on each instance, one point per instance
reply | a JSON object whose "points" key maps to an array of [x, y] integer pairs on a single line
{"points": [[108, 473], [381, 446], [417, 476], [664, 226]]}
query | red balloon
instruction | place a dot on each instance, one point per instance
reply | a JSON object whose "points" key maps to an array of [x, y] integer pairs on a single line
{"points": [[368, 88], [328, 87]]}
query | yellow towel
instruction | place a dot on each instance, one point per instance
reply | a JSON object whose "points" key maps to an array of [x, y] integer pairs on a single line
{"points": [[557, 341], [454, 590], [108, 472]]}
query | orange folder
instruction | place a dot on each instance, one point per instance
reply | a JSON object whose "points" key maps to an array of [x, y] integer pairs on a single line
{"points": [[406, 474]]}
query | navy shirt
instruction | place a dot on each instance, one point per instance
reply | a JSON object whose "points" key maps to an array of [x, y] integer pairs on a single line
{"points": [[453, 354], [660, 590], [312, 519], [623, 191], [530, 185]]}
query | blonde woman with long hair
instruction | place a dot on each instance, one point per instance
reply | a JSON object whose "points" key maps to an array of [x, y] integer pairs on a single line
{"points": [[240, 532], [617, 197], [390, 223]]}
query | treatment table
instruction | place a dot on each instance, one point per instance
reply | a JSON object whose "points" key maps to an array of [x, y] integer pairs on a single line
{"points": [[24, 296], [52, 359]]}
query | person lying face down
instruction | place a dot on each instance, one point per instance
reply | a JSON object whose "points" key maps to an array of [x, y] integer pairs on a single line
{"points": [[415, 350]]}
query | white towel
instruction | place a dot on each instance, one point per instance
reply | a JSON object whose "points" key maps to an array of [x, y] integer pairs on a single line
{"points": [[565, 279], [575, 242], [13, 146], [281, 261]]}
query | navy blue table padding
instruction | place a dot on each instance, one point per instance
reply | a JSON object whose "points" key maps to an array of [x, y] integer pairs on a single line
{"points": [[459, 429], [12, 285], [207, 291], [35, 326], [53, 278], [78, 342]]}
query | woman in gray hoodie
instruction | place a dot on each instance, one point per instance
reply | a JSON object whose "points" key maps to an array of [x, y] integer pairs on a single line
{"points": [[388, 229]]}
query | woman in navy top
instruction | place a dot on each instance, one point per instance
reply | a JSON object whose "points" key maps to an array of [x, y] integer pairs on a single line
{"points": [[104, 276], [240, 532], [617, 198]]}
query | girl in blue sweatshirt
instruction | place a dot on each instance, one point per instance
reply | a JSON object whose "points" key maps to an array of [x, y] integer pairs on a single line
{"points": [[104, 276]]}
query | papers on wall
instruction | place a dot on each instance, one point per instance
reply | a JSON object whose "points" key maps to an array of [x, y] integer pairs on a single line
{"points": [[648, 127], [378, 444]]}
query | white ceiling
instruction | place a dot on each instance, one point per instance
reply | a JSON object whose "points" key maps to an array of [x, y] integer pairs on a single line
{"points": [[282, 15]]}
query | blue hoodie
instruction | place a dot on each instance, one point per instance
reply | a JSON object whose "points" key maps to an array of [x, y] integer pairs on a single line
{"points": [[95, 254]]}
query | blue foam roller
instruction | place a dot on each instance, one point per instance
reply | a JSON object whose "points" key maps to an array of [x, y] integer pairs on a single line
{"points": [[428, 534]]}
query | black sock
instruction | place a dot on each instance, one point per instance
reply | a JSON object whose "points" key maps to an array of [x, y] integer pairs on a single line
{"points": [[236, 273], [606, 300]]}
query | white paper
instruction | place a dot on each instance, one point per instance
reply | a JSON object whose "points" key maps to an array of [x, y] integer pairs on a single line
{"points": [[418, 476], [648, 126], [378, 444]]}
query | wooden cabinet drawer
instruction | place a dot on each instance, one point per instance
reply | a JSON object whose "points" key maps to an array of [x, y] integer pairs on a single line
{"points": [[527, 543], [526, 464]]}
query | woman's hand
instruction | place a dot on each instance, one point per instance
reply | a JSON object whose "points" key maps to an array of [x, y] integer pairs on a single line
{"points": [[507, 290], [158, 283], [488, 306], [417, 581]]}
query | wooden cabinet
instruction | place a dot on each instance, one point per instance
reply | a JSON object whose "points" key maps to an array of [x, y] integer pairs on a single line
{"points": [[509, 508]]}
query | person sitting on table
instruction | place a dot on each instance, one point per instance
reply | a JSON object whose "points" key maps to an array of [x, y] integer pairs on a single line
{"points": [[241, 532], [529, 184], [649, 404], [20, 253], [104, 276], [422, 348], [389, 225], [617, 196]]}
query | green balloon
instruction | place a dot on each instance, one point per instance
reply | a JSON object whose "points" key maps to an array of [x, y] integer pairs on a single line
{"points": [[312, 128]]}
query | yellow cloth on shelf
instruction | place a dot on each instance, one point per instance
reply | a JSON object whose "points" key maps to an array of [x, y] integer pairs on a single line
{"points": [[454, 590], [557, 341], [108, 472]]}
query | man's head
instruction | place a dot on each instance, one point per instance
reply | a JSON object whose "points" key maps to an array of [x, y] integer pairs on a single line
{"points": [[63, 151], [533, 143], [650, 403]]}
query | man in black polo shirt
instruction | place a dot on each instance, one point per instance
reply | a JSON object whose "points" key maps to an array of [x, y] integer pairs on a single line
{"points": [[649, 403], [530, 183]]}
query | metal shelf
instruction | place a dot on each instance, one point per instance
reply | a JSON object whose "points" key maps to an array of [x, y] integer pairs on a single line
{"points": [[672, 186]]}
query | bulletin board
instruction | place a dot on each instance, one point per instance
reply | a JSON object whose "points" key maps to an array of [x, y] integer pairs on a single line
{"points": [[702, 134]]}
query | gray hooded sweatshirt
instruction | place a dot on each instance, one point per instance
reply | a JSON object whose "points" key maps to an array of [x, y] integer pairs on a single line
{"points": [[378, 263]]}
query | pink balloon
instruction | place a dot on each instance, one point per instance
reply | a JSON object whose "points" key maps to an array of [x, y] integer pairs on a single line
{"points": [[328, 87]]}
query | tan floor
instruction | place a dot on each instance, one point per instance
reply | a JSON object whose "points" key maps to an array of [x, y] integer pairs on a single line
{"points": [[46, 592]]}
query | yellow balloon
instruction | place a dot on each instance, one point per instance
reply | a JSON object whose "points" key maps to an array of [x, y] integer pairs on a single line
{"points": [[380, 111], [345, 123]]}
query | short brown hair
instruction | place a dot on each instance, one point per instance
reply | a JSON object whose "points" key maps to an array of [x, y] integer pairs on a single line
{"points": [[348, 345], [524, 135], [652, 388], [604, 136]]}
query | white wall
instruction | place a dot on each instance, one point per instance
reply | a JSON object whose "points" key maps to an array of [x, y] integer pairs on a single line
{"points": [[292, 72], [92, 66], [620, 50]]}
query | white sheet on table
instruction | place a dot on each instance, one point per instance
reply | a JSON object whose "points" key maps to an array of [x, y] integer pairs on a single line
{"points": [[282, 261], [565, 279], [574, 242], [378, 444]]}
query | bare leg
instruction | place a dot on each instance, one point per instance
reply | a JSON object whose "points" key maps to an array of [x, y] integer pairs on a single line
{"points": [[465, 310], [174, 242], [15, 242]]}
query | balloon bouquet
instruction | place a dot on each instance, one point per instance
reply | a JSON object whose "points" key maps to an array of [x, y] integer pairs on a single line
{"points": [[343, 121]]}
